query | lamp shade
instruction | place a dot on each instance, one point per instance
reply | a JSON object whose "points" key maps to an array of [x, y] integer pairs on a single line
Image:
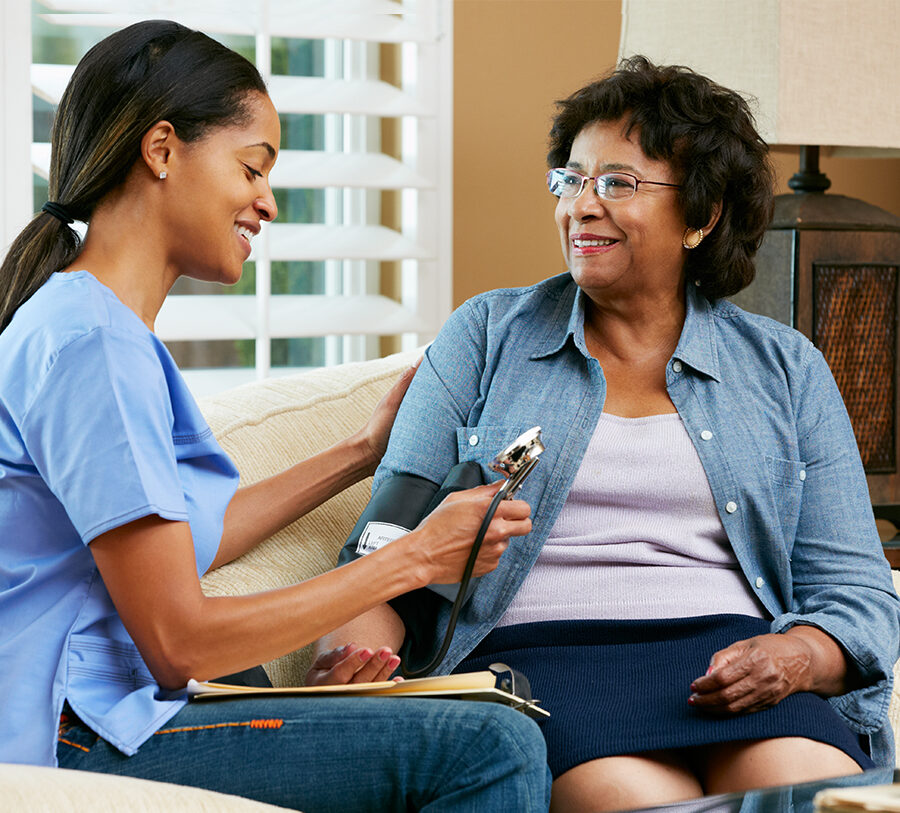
{"points": [[823, 72]]}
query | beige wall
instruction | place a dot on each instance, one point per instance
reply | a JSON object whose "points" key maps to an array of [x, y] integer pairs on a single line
{"points": [[513, 59]]}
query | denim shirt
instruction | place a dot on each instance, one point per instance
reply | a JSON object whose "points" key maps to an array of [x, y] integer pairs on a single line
{"points": [[767, 420]]}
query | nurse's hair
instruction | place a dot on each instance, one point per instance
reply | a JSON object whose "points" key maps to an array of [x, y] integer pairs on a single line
{"points": [[148, 72], [707, 134]]}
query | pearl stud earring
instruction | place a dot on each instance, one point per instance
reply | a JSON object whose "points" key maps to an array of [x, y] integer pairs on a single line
{"points": [[163, 175]]}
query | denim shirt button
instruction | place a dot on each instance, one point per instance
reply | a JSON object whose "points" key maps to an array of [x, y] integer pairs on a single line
{"points": [[706, 434], [759, 581], [676, 366], [473, 440], [803, 474], [731, 507]]}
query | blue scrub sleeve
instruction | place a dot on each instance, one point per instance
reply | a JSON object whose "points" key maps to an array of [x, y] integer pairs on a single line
{"points": [[100, 433]]}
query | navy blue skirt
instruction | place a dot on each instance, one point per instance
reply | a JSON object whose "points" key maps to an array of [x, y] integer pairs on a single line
{"points": [[621, 687]]}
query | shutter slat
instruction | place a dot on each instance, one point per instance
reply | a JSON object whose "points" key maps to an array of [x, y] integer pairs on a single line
{"points": [[40, 159], [361, 20], [226, 316], [373, 315], [313, 169], [216, 8], [301, 241], [49, 81], [306, 94], [206, 317], [290, 94]]}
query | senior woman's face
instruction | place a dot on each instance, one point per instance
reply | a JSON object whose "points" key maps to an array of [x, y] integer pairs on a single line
{"points": [[621, 246]]}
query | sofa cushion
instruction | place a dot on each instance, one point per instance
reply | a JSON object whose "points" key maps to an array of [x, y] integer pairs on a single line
{"points": [[39, 789], [266, 427]]}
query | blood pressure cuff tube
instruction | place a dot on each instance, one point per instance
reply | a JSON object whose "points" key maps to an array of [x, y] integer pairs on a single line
{"points": [[396, 507]]}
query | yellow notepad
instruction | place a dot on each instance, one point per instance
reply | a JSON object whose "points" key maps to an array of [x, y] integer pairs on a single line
{"points": [[463, 686]]}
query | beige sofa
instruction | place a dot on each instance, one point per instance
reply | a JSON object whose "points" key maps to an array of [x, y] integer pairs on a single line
{"points": [[265, 427]]}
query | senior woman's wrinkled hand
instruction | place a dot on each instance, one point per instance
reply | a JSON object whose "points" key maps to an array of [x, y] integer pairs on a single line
{"points": [[758, 672]]}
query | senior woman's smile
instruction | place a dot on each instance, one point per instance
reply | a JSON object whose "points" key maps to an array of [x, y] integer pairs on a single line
{"points": [[636, 229]]}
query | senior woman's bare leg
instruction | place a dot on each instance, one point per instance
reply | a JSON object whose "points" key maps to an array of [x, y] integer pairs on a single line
{"points": [[738, 766], [618, 783]]}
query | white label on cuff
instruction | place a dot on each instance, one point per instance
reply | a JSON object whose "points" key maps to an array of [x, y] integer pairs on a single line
{"points": [[376, 535]]}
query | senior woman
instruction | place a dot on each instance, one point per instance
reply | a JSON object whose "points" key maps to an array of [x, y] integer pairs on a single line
{"points": [[702, 603]]}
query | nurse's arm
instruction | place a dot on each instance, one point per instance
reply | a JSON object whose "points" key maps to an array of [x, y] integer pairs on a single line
{"points": [[148, 567], [264, 508]]}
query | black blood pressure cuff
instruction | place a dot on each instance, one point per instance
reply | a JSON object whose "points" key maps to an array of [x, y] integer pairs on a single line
{"points": [[397, 506]]}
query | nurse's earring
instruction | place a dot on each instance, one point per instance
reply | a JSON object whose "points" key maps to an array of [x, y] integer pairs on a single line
{"points": [[163, 175], [692, 238]]}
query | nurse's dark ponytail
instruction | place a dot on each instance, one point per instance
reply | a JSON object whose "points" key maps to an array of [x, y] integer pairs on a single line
{"points": [[146, 73]]}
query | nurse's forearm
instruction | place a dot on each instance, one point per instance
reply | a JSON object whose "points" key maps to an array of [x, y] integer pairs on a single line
{"points": [[242, 631], [264, 508], [148, 568]]}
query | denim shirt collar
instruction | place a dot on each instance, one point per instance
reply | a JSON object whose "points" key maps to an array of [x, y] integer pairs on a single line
{"points": [[696, 345]]}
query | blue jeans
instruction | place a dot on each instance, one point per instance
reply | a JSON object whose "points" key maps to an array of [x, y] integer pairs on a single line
{"points": [[339, 754]]}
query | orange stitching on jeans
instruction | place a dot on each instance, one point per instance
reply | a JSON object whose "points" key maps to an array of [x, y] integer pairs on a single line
{"points": [[266, 723], [75, 745], [251, 723]]}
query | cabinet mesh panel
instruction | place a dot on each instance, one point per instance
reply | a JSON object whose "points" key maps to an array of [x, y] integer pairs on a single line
{"points": [[855, 327]]}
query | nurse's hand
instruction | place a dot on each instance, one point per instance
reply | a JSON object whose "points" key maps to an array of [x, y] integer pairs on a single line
{"points": [[352, 664], [759, 672], [378, 428], [439, 546]]}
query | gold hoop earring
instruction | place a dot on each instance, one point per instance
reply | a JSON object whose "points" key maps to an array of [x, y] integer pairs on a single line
{"points": [[696, 237]]}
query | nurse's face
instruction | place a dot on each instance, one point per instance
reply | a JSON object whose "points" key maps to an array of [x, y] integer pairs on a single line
{"points": [[220, 194]]}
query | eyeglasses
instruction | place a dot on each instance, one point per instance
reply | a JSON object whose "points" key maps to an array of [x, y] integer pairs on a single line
{"points": [[567, 183]]}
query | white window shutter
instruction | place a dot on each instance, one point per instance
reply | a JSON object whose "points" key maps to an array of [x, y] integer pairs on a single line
{"points": [[348, 241]]}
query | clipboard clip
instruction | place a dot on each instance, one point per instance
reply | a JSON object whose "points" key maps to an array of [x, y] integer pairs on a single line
{"points": [[512, 681]]}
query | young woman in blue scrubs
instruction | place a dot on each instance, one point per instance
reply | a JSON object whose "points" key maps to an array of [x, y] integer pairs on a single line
{"points": [[115, 498]]}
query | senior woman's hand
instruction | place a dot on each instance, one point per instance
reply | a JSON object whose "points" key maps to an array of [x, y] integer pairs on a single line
{"points": [[758, 672]]}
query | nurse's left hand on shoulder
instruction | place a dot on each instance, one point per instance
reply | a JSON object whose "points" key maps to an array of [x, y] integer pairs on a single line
{"points": [[352, 664], [752, 674], [378, 428]]}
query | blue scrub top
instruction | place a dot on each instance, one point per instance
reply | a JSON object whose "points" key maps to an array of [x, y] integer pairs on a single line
{"points": [[97, 429]]}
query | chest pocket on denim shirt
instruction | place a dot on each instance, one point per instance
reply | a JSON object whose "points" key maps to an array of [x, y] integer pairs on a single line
{"points": [[787, 478], [482, 443]]}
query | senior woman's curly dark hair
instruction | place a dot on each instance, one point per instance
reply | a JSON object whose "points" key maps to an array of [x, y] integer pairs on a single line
{"points": [[708, 135]]}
